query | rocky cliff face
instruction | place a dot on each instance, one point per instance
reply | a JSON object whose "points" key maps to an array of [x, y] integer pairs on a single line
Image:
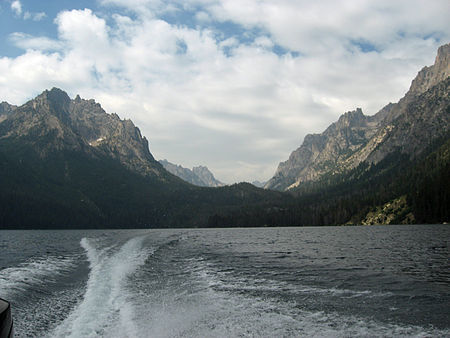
{"points": [[5, 110], [408, 126], [323, 153], [53, 122], [430, 76], [206, 176], [200, 176]]}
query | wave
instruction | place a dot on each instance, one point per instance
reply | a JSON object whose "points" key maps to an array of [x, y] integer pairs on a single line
{"points": [[226, 280], [33, 273], [229, 310], [106, 308]]}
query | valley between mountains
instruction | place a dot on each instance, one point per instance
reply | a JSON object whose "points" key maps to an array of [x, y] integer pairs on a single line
{"points": [[66, 163]]}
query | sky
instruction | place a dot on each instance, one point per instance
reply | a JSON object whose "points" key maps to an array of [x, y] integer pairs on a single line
{"points": [[231, 84]]}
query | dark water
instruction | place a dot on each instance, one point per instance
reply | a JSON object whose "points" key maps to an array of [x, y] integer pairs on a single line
{"points": [[271, 282]]}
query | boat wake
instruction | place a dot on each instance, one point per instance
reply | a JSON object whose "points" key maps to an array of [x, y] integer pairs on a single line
{"points": [[32, 274], [106, 308], [166, 285]]}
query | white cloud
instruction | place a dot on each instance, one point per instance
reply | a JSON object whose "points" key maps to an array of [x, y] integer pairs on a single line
{"points": [[27, 41], [203, 17], [228, 100], [16, 7], [34, 16]]}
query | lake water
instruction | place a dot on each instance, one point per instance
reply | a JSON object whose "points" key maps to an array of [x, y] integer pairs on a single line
{"points": [[265, 282]]}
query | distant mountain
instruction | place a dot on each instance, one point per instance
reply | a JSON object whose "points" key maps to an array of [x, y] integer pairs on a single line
{"points": [[200, 176], [409, 127], [66, 163], [259, 184]]}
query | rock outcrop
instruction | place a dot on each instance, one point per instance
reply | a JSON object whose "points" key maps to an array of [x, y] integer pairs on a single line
{"points": [[396, 211], [408, 126]]}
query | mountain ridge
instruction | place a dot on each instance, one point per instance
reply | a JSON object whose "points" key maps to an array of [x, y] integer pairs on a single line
{"points": [[356, 138], [80, 125], [66, 163], [200, 175]]}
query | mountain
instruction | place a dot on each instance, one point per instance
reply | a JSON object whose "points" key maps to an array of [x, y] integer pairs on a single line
{"points": [[5, 110], [66, 163], [52, 122], [259, 184], [206, 176], [200, 176], [409, 127]]}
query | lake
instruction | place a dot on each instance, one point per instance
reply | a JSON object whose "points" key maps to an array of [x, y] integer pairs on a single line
{"points": [[252, 282]]}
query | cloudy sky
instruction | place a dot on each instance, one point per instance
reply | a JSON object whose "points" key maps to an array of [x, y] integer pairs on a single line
{"points": [[231, 84]]}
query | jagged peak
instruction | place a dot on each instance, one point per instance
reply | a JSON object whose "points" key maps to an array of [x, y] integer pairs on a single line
{"points": [[353, 118], [443, 54], [352, 115], [355, 137], [55, 94], [55, 100], [199, 175], [432, 75], [6, 108]]}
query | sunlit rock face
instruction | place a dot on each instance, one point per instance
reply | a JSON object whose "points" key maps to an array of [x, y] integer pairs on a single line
{"points": [[52, 121], [408, 127]]}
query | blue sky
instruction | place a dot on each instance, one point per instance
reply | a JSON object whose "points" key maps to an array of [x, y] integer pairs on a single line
{"points": [[231, 84]]}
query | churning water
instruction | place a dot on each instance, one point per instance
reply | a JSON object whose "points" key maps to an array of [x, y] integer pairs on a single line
{"points": [[270, 282]]}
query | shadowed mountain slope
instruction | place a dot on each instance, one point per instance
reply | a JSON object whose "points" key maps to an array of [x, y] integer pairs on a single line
{"points": [[67, 163]]}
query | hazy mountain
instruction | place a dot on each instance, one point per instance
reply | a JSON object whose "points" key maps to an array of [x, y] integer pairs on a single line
{"points": [[259, 184], [408, 126], [206, 176], [200, 176]]}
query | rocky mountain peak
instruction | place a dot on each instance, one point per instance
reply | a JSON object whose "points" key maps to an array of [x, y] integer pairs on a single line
{"points": [[54, 101], [432, 75], [5, 110], [200, 175], [206, 176], [319, 153], [408, 126], [80, 125], [443, 59], [354, 118]]}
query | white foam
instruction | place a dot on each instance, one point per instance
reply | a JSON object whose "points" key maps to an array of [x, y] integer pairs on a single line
{"points": [[220, 311], [195, 299], [227, 281], [32, 273], [106, 309]]}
